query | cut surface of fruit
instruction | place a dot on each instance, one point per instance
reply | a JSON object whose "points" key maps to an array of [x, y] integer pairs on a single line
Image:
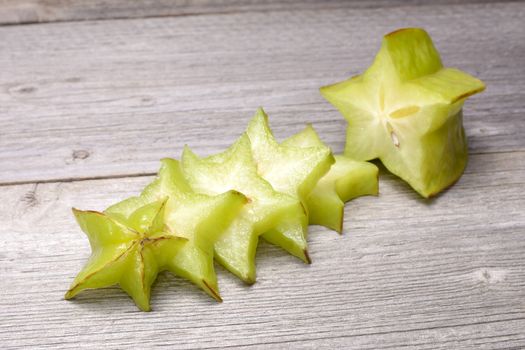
{"points": [[406, 111], [129, 254], [289, 169], [135, 239], [235, 169], [347, 179], [200, 218]]}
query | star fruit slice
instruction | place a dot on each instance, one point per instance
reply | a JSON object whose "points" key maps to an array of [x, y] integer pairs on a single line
{"points": [[406, 110], [347, 179], [289, 169], [235, 169], [128, 255], [198, 219]]}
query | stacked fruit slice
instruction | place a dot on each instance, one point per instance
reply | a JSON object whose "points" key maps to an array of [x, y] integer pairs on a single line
{"points": [[218, 207]]}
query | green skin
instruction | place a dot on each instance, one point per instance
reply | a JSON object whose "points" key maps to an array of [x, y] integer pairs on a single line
{"points": [[347, 179], [168, 227], [406, 111]]}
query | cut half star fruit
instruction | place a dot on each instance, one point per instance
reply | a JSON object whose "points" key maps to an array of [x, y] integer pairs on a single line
{"points": [[347, 179], [406, 110], [199, 218], [167, 227]]}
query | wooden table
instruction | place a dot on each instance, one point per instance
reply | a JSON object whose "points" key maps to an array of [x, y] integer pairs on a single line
{"points": [[94, 94]]}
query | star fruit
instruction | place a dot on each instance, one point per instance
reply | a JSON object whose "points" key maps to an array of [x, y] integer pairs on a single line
{"points": [[347, 179], [406, 110], [235, 169], [167, 227], [292, 170]]}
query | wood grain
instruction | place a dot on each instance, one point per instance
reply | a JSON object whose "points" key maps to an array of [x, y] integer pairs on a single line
{"points": [[102, 99], [88, 108], [41, 11], [407, 273]]}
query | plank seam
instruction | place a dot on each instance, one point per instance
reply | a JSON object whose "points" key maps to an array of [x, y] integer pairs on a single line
{"points": [[422, 329], [146, 174], [341, 5]]}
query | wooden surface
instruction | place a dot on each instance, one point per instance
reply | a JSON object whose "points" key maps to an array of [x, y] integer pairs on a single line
{"points": [[87, 108], [40, 11]]}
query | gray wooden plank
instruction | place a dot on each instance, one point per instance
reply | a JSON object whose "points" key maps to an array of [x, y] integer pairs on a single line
{"points": [[407, 273], [42, 11], [103, 99]]}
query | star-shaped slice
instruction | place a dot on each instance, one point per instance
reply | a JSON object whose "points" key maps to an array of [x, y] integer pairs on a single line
{"points": [[236, 170], [196, 219], [200, 218], [347, 179], [406, 110], [289, 169], [128, 255]]}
